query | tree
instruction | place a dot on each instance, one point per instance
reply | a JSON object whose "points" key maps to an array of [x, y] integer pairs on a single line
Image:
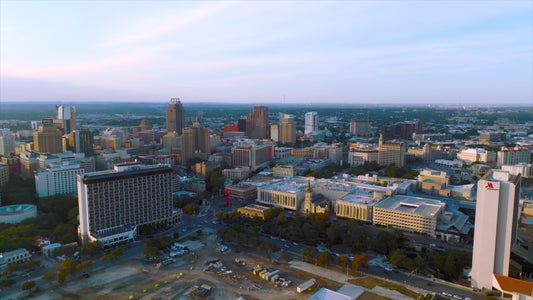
{"points": [[28, 285], [308, 253], [151, 252], [48, 275], [343, 261], [92, 248], [359, 261], [323, 258]]}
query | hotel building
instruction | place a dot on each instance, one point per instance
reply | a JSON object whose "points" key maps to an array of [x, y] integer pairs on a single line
{"points": [[113, 203]]}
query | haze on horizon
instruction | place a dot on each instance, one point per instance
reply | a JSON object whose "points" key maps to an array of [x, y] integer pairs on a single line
{"points": [[417, 52]]}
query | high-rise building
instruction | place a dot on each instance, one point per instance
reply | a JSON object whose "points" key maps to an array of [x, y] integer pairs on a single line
{"points": [[81, 141], [391, 153], [257, 123], [311, 122], [175, 116], [114, 203], [47, 138], [65, 118], [7, 143], [287, 129], [360, 127], [513, 156], [57, 179], [252, 156], [274, 132], [495, 228], [195, 142]]}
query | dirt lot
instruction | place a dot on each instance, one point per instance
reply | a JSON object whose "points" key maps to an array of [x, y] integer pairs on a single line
{"points": [[136, 279]]}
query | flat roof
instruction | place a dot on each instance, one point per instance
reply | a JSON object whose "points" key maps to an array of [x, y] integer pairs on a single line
{"points": [[413, 205], [137, 170]]}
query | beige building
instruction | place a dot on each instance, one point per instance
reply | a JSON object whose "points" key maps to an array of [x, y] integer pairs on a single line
{"points": [[413, 214], [287, 130], [477, 155], [391, 153], [288, 170], [195, 142], [47, 138], [253, 210], [314, 203], [288, 194], [439, 176], [358, 156], [236, 173]]}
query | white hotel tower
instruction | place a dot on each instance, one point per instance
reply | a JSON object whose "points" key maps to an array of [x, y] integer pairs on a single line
{"points": [[495, 228], [311, 122]]}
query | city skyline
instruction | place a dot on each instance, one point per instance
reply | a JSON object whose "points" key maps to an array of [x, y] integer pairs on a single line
{"points": [[359, 52]]}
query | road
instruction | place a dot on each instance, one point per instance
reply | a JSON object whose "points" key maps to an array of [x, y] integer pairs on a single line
{"points": [[205, 220]]}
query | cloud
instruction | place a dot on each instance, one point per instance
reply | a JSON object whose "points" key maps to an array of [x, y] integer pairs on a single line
{"points": [[163, 24]]}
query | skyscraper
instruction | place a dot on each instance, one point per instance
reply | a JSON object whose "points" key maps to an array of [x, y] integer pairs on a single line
{"points": [[81, 141], [7, 143], [311, 122], [175, 116], [113, 203], [360, 127], [195, 142], [47, 138], [495, 228], [65, 118], [391, 153], [287, 129], [257, 123]]}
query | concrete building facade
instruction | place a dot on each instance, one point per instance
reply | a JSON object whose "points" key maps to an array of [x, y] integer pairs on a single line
{"points": [[496, 224], [175, 116], [311, 122], [112, 204]]}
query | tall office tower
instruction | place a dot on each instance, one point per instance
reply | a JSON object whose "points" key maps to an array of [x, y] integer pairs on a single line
{"points": [[241, 125], [7, 143], [391, 152], [81, 141], [114, 203], [274, 132], [65, 118], [287, 129], [175, 116], [251, 156], [360, 127], [195, 142], [495, 229], [47, 138], [257, 123], [311, 122]]}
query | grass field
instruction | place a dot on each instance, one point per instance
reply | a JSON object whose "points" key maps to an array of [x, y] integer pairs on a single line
{"points": [[371, 282]]}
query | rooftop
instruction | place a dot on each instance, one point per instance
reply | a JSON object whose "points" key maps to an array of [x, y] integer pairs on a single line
{"points": [[413, 205]]}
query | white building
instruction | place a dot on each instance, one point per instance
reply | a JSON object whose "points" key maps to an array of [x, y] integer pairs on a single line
{"points": [[523, 169], [495, 228], [512, 156], [414, 214], [14, 257], [7, 143], [113, 203], [311, 122], [57, 179], [477, 155]]}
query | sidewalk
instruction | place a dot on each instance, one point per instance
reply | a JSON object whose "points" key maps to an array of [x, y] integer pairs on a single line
{"points": [[341, 278]]}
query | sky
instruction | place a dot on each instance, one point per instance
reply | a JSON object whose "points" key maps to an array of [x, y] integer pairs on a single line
{"points": [[353, 52]]}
